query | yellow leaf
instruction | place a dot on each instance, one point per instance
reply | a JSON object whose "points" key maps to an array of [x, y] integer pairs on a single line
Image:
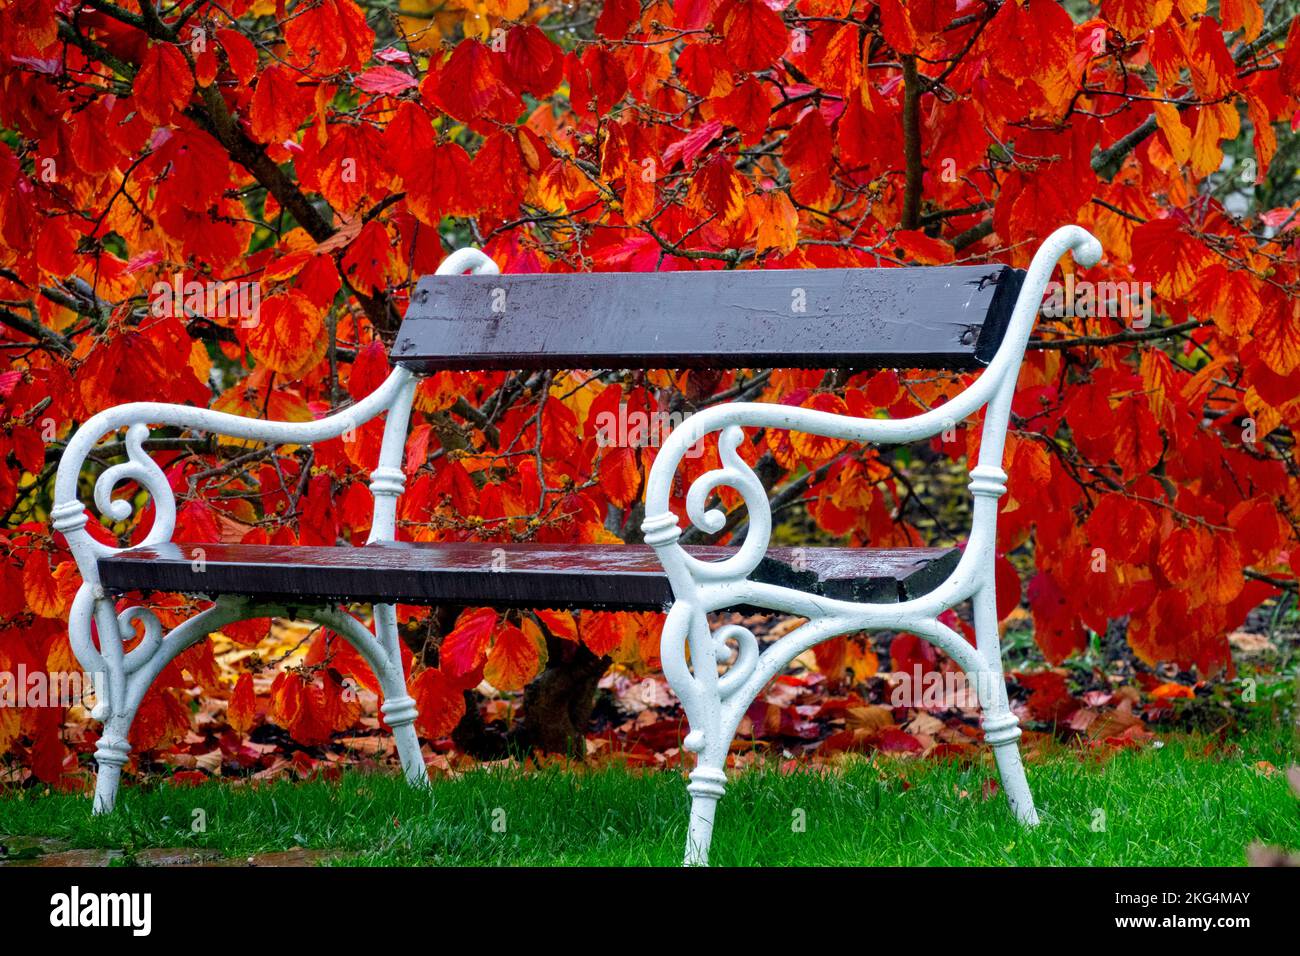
{"points": [[1177, 135]]}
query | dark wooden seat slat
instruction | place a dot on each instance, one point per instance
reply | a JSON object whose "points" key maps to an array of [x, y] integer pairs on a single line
{"points": [[951, 317], [525, 575]]}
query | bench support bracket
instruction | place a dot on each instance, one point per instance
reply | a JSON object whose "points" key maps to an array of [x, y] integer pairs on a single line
{"points": [[129, 675]]}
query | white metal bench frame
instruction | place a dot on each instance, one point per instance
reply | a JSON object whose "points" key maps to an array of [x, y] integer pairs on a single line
{"points": [[714, 703]]}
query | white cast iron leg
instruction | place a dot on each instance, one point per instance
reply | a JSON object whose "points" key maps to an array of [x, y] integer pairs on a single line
{"points": [[399, 708], [1002, 731], [707, 786], [111, 754], [113, 706], [1001, 726]]}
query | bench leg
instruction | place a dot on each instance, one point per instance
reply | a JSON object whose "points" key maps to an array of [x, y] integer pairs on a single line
{"points": [[1001, 726], [399, 715], [399, 708], [111, 754], [1002, 731], [706, 788]]}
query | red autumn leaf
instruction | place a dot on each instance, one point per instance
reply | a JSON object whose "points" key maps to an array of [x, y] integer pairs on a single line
{"points": [[533, 64], [897, 25], [469, 83], [279, 105], [807, 154], [48, 756], [1008, 586], [369, 258], [617, 17], [163, 84], [328, 35], [441, 702], [620, 476], [288, 698], [466, 647], [385, 79], [753, 34], [242, 712], [288, 335], [922, 249], [240, 53], [603, 631], [436, 188], [1225, 579], [717, 190], [1057, 630], [1138, 444], [907, 652], [1184, 556], [603, 76]]}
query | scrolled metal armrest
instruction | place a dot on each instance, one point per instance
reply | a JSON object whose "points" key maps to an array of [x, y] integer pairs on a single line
{"points": [[69, 516], [993, 387]]}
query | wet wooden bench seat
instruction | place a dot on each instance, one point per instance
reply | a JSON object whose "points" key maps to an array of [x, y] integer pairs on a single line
{"points": [[505, 575]]}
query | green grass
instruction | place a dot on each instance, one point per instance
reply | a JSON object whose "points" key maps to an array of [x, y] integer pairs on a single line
{"points": [[1167, 806]]}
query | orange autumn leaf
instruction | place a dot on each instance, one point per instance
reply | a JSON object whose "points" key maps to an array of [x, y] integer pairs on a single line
{"points": [[717, 190], [40, 588], [816, 450], [778, 222], [288, 336], [288, 699], [241, 714], [513, 660], [560, 624], [1134, 17], [603, 631], [369, 258]]}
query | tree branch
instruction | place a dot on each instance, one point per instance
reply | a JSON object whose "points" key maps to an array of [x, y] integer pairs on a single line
{"points": [[912, 143], [36, 331], [1132, 335]]}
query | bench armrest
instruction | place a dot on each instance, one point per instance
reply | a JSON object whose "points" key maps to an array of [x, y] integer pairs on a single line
{"points": [[69, 516], [994, 387]]}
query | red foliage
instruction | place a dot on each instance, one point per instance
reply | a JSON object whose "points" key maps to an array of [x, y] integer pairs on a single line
{"points": [[333, 160]]}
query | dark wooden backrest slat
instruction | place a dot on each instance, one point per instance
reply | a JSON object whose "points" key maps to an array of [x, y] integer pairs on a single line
{"points": [[918, 317]]}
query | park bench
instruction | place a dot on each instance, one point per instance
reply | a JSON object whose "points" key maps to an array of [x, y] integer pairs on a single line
{"points": [[972, 317]]}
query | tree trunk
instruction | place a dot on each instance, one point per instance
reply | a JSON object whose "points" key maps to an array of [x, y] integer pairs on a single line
{"points": [[559, 701]]}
